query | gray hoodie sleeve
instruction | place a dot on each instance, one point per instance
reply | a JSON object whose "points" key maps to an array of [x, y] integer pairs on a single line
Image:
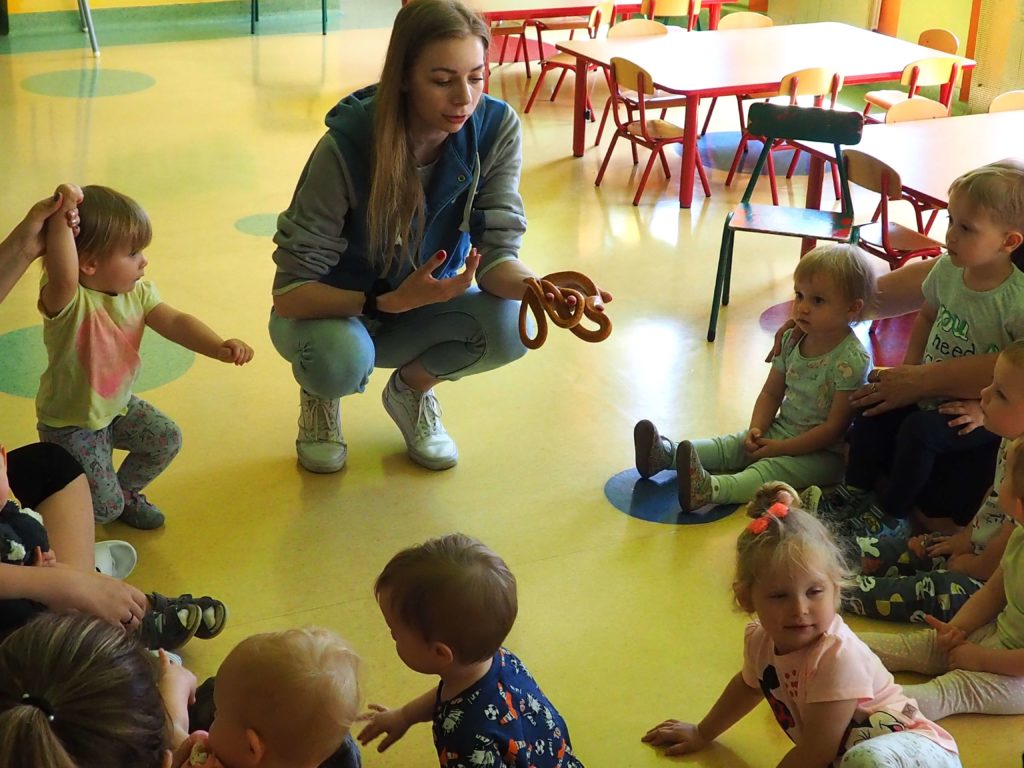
{"points": [[308, 239], [498, 221]]}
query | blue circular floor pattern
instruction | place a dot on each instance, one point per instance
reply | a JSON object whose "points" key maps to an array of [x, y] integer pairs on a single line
{"points": [[718, 149], [656, 500], [258, 225], [88, 83], [24, 360]]}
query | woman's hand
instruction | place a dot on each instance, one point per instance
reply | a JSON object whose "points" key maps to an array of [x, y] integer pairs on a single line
{"points": [[967, 413], [101, 596], [380, 720], [421, 288], [777, 344], [679, 737], [888, 389]]}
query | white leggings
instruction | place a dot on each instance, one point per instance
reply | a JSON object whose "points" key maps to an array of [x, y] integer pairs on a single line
{"points": [[903, 749], [957, 691]]}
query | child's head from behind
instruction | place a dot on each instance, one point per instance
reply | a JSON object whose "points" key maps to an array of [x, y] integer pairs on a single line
{"points": [[113, 232], [790, 572], [1011, 489], [1002, 401], [75, 691], [285, 698], [986, 214], [448, 600], [832, 283]]}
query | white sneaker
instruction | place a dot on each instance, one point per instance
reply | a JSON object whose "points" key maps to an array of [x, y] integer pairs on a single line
{"points": [[418, 415], [115, 558], [320, 445]]}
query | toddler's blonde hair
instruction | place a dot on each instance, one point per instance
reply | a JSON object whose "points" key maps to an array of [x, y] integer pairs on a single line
{"points": [[847, 265], [109, 219], [299, 689], [796, 540], [998, 188]]}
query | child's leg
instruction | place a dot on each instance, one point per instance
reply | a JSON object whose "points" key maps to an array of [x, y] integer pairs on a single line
{"points": [[871, 440], [960, 691], [94, 452], [152, 441], [896, 556], [900, 749], [907, 651], [922, 437], [821, 468], [908, 598], [724, 453]]}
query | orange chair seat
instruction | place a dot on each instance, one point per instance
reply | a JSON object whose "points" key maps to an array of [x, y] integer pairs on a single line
{"points": [[901, 238], [565, 22], [657, 129], [887, 98]]}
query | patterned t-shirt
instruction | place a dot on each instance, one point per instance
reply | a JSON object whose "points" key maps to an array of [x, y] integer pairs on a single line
{"points": [[93, 350], [812, 382], [503, 720], [838, 667], [990, 518]]}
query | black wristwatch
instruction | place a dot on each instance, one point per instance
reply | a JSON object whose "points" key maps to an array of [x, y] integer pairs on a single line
{"points": [[380, 287]]}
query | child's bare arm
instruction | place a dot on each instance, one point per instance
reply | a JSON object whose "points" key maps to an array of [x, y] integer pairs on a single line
{"points": [[824, 724], [393, 723], [977, 658], [736, 701], [983, 606], [192, 333], [919, 335], [768, 400], [61, 257], [983, 565]]}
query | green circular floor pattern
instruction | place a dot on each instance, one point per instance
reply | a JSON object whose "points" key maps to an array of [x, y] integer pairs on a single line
{"points": [[88, 83], [258, 225], [23, 359]]}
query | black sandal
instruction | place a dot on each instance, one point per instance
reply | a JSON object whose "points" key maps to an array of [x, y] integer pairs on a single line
{"points": [[169, 624], [213, 613]]}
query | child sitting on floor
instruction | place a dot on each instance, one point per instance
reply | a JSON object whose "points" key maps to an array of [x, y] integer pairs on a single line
{"points": [[978, 656], [95, 307], [801, 416], [828, 692], [905, 580], [449, 603], [281, 700]]}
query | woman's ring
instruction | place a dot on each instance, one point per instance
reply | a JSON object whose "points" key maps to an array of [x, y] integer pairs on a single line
{"points": [[874, 388]]}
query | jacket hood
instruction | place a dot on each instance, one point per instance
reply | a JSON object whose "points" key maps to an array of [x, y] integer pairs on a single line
{"points": [[353, 112]]}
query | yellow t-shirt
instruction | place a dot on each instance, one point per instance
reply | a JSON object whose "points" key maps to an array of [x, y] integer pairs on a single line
{"points": [[92, 348]]}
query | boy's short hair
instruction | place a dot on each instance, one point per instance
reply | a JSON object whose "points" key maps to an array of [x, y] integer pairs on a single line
{"points": [[1013, 353], [109, 219], [299, 690], [453, 590], [847, 264], [998, 188]]}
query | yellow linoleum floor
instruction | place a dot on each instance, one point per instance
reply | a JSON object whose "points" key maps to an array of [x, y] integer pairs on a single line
{"points": [[624, 622]]}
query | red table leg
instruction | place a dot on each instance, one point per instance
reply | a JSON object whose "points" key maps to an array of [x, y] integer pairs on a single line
{"points": [[689, 152], [714, 15], [579, 107], [814, 180]]}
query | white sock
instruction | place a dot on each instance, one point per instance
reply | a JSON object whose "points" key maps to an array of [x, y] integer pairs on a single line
{"points": [[400, 384]]}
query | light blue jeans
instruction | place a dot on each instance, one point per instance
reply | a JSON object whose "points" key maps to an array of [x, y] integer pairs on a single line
{"points": [[466, 335]]}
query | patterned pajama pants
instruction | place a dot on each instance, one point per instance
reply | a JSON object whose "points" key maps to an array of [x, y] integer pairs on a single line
{"points": [[151, 439], [904, 749], [957, 691]]}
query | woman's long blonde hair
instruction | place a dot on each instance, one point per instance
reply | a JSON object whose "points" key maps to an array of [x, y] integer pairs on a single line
{"points": [[395, 210], [74, 692]]}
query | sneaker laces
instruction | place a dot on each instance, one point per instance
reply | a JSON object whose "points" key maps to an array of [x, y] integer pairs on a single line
{"points": [[428, 420], [318, 418]]}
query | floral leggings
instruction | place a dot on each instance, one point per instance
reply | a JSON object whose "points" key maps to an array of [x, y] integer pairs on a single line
{"points": [[903, 749], [151, 439]]}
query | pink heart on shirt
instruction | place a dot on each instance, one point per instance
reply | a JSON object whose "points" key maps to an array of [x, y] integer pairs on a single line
{"points": [[108, 354]]}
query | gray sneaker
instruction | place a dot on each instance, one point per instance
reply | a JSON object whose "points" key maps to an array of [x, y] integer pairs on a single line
{"points": [[320, 446], [140, 513], [653, 452], [418, 415]]}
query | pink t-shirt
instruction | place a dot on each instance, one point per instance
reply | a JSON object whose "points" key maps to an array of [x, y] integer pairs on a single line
{"points": [[839, 666]]}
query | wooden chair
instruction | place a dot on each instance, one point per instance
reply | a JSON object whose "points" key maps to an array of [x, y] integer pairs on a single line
{"points": [[572, 23], [507, 29], [254, 16], [654, 134], [815, 83], [940, 70], [939, 40], [634, 28], [1007, 102], [738, 20], [793, 123], [886, 239], [667, 9], [599, 14]]}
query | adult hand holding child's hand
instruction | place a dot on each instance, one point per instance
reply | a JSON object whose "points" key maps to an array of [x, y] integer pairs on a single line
{"points": [[381, 720]]}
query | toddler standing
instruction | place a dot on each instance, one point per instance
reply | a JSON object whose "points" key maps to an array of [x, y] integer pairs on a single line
{"points": [[95, 308], [449, 604], [802, 413], [827, 690]]}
